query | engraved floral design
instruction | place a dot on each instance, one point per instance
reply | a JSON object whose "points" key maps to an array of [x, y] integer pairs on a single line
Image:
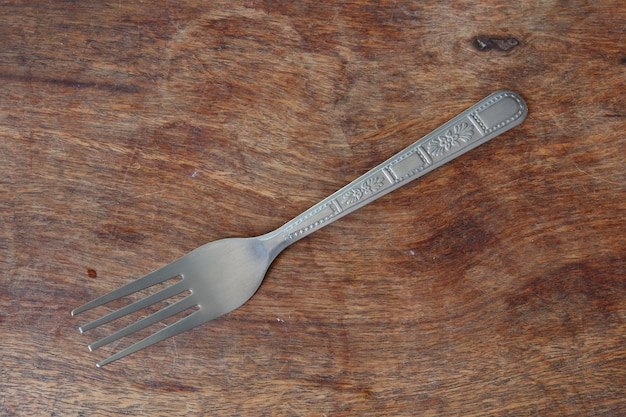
{"points": [[442, 144], [369, 186]]}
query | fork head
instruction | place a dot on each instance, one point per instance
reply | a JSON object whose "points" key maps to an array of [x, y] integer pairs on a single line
{"points": [[216, 278]]}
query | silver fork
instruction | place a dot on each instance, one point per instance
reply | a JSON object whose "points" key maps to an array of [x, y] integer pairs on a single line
{"points": [[222, 275]]}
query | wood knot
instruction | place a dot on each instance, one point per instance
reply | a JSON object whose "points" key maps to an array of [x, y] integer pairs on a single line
{"points": [[485, 43]]}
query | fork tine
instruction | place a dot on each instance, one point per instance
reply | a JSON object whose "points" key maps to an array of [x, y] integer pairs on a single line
{"points": [[184, 324], [170, 291], [155, 277], [170, 310]]}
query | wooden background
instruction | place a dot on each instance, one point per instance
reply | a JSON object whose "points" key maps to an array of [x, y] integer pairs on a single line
{"points": [[132, 132]]}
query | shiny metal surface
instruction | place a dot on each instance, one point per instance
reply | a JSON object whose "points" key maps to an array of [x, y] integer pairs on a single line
{"points": [[221, 276]]}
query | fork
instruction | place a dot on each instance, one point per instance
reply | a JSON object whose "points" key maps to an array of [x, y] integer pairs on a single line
{"points": [[221, 276]]}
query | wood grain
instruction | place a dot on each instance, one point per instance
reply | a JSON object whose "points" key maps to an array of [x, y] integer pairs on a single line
{"points": [[132, 132]]}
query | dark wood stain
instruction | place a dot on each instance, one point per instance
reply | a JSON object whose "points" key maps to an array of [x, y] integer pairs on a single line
{"points": [[486, 43]]}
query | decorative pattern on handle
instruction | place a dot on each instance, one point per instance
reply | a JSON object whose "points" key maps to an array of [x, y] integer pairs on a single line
{"points": [[490, 117], [312, 219], [367, 187], [442, 144], [490, 120]]}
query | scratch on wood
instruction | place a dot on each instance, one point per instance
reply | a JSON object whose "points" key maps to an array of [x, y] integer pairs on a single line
{"points": [[595, 177]]}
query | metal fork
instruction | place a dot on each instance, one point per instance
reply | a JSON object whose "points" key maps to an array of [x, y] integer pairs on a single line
{"points": [[222, 275]]}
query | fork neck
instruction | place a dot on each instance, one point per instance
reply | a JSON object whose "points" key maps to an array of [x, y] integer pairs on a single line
{"points": [[275, 242]]}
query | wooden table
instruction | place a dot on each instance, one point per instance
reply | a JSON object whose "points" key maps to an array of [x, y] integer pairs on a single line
{"points": [[133, 132]]}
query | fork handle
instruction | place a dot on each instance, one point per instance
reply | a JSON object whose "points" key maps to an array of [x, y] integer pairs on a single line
{"points": [[488, 118]]}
